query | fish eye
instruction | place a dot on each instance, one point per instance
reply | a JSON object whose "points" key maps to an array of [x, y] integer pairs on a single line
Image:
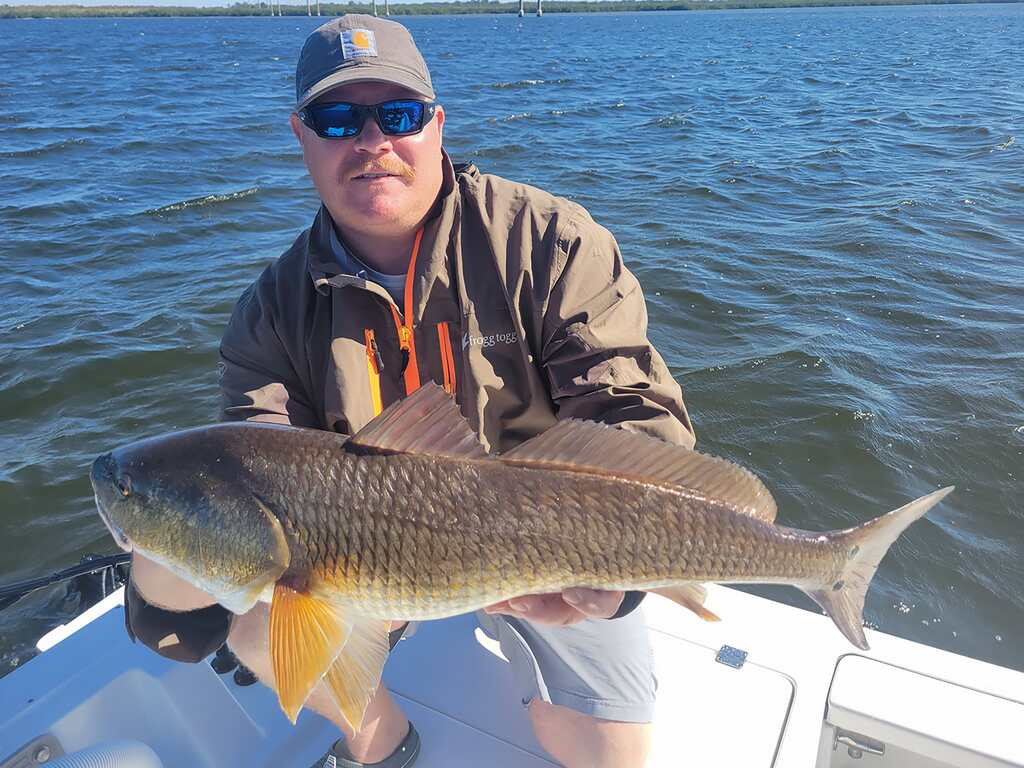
{"points": [[124, 485]]}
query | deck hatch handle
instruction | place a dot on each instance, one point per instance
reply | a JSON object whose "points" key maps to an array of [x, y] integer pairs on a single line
{"points": [[731, 657], [856, 745]]}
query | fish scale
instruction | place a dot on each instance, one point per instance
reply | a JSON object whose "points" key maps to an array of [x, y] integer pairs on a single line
{"points": [[418, 538]]}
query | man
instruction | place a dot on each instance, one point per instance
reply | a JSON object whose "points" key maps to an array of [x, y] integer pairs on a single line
{"points": [[513, 300]]}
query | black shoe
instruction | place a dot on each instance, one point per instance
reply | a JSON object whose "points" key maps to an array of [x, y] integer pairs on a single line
{"points": [[405, 755]]}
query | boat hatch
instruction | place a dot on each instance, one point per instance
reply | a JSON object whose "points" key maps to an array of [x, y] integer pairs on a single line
{"points": [[712, 709], [881, 715], [715, 707]]}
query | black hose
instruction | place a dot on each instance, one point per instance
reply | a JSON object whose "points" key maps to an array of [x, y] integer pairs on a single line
{"points": [[11, 593]]}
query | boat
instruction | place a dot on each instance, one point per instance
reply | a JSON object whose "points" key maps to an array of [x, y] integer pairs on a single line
{"points": [[768, 686]]}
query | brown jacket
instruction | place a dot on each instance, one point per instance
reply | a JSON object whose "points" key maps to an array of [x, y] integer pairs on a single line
{"points": [[518, 304]]}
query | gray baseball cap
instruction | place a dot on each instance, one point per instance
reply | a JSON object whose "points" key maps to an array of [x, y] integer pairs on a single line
{"points": [[358, 48]]}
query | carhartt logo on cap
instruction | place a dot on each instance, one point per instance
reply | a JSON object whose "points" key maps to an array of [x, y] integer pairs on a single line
{"points": [[358, 42]]}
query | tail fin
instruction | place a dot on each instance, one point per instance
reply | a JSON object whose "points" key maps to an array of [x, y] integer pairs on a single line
{"points": [[866, 546]]}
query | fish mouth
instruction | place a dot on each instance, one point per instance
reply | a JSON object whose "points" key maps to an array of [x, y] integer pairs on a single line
{"points": [[120, 537], [103, 478]]}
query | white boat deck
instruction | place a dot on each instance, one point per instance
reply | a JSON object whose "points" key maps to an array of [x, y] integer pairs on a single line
{"points": [[92, 685]]}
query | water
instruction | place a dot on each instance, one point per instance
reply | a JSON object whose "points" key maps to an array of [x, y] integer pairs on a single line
{"points": [[825, 207]]}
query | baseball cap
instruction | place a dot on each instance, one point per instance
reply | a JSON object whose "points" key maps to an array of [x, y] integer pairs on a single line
{"points": [[357, 48]]}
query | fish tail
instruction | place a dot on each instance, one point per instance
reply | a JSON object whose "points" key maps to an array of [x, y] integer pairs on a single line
{"points": [[866, 545]]}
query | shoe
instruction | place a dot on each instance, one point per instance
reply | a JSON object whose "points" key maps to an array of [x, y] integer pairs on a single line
{"points": [[405, 755]]}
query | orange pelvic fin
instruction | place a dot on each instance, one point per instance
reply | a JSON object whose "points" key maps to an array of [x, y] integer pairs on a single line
{"points": [[690, 596]]}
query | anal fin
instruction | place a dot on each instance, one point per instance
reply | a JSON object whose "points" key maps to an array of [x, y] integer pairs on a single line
{"points": [[689, 596], [355, 674]]}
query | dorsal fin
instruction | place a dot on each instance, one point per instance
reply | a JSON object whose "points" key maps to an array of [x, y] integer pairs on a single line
{"points": [[586, 446], [426, 422]]}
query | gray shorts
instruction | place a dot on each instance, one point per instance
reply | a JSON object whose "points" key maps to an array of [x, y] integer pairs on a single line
{"points": [[600, 667]]}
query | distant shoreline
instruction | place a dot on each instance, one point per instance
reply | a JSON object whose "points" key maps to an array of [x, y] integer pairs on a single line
{"points": [[460, 7]]}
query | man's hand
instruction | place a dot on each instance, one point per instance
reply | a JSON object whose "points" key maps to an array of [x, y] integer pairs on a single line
{"points": [[158, 586], [562, 608]]}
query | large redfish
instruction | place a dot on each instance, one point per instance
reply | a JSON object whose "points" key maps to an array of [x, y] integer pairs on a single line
{"points": [[411, 519]]}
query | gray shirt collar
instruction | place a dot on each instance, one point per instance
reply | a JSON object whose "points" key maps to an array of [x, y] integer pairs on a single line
{"points": [[350, 265]]}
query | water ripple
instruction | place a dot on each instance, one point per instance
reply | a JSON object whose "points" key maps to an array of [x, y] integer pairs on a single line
{"points": [[202, 202]]}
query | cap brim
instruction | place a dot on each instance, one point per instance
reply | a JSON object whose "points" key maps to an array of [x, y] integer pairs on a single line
{"points": [[373, 73]]}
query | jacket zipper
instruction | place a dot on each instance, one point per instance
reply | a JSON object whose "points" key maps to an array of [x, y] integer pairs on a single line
{"points": [[444, 342], [374, 366], [406, 341]]}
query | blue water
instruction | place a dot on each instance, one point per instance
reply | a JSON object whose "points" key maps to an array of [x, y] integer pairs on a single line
{"points": [[824, 206]]}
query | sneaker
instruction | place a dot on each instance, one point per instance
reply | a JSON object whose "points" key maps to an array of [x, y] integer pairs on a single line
{"points": [[405, 755]]}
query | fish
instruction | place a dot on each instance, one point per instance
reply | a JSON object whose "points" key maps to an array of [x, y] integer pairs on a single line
{"points": [[412, 519]]}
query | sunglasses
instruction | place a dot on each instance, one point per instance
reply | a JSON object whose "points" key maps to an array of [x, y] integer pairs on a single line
{"points": [[343, 120]]}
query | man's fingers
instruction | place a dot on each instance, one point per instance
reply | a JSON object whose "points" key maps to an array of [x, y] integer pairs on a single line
{"points": [[596, 603], [560, 608], [527, 606], [501, 607]]}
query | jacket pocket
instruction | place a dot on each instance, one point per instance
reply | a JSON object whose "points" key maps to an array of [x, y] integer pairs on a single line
{"points": [[374, 366], [444, 343]]}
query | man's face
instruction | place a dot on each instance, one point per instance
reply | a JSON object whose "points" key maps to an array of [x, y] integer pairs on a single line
{"points": [[346, 171]]}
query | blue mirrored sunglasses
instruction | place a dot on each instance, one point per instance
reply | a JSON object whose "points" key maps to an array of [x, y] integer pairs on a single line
{"points": [[343, 120]]}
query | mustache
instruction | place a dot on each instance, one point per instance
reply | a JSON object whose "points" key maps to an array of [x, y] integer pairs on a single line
{"points": [[394, 166]]}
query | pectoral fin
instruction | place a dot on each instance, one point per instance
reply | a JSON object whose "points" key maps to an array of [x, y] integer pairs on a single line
{"points": [[306, 635], [355, 674], [689, 596]]}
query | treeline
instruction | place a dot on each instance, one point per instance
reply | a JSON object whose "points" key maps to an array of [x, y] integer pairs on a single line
{"points": [[431, 9]]}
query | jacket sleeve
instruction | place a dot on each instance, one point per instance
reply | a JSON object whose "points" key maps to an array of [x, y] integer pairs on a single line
{"points": [[258, 380], [599, 362]]}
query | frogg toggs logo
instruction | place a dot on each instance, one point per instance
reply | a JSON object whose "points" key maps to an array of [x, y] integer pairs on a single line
{"points": [[489, 341]]}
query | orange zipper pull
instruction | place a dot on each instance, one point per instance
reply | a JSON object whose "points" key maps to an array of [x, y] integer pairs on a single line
{"points": [[406, 340], [374, 366], [377, 359]]}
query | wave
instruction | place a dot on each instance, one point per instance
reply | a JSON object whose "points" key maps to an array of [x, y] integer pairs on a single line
{"points": [[174, 68], [514, 118], [55, 146], [202, 202], [497, 153], [529, 83], [670, 121]]}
